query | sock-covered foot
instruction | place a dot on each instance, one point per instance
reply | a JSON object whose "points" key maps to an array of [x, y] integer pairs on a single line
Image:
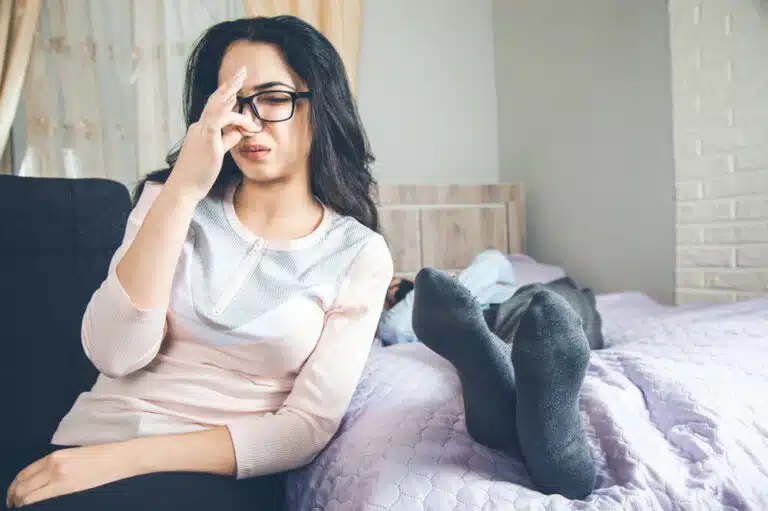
{"points": [[448, 320], [550, 355]]}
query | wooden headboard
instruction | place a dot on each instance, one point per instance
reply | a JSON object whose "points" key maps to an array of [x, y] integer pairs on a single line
{"points": [[445, 226]]}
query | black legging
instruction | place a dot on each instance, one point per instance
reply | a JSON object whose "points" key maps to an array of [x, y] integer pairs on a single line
{"points": [[169, 490]]}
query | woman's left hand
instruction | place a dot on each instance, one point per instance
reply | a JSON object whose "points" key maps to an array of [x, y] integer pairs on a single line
{"points": [[71, 470]]}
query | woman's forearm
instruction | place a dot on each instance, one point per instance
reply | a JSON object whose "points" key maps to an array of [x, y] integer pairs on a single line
{"points": [[209, 451], [146, 270], [126, 320]]}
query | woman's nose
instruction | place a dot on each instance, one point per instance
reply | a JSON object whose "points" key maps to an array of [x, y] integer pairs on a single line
{"points": [[248, 111]]}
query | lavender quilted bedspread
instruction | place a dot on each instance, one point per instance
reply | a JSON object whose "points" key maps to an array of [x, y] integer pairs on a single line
{"points": [[676, 412]]}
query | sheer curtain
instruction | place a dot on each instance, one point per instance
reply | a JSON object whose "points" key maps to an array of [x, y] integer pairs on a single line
{"points": [[18, 22], [102, 96]]}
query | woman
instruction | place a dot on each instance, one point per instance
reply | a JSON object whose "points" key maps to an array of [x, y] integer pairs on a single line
{"points": [[237, 315]]}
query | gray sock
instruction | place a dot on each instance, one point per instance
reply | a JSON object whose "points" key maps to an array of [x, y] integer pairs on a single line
{"points": [[448, 320], [550, 355]]}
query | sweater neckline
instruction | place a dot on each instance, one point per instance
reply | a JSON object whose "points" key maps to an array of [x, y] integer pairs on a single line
{"points": [[283, 245]]}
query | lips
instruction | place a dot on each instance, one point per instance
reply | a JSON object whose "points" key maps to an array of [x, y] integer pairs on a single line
{"points": [[254, 151], [254, 148]]}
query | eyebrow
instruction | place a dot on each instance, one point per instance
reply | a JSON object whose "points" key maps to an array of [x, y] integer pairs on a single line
{"points": [[270, 85]]}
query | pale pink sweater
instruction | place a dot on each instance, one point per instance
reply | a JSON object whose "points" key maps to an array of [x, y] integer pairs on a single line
{"points": [[266, 339]]}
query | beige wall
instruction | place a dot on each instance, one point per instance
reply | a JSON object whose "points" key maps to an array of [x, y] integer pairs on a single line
{"points": [[585, 121], [720, 63]]}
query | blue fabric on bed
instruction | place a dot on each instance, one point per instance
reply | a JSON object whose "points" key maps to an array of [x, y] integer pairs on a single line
{"points": [[490, 277]]}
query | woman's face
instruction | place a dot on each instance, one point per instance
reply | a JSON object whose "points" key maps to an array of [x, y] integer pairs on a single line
{"points": [[280, 150]]}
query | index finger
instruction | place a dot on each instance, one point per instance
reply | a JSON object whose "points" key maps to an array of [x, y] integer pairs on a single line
{"points": [[223, 98], [232, 85]]}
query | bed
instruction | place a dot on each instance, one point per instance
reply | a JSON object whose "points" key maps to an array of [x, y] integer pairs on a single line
{"points": [[676, 408]]}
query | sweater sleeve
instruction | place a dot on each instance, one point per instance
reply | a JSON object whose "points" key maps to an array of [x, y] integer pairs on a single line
{"points": [[118, 337], [323, 389]]}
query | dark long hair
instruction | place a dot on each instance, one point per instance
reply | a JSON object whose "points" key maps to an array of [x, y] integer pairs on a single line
{"points": [[340, 157]]}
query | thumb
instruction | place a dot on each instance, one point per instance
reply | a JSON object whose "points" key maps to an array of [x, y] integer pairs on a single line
{"points": [[230, 137]]}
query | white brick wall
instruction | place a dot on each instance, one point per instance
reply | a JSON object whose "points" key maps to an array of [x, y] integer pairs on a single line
{"points": [[720, 90]]}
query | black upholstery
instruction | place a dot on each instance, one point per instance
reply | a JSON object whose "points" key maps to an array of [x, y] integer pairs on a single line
{"points": [[57, 237]]}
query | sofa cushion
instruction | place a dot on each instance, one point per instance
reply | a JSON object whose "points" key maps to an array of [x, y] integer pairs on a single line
{"points": [[57, 237]]}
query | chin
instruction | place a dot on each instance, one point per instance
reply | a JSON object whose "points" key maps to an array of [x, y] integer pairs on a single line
{"points": [[262, 172]]}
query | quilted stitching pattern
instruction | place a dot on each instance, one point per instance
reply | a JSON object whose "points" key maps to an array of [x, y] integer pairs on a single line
{"points": [[676, 413]]}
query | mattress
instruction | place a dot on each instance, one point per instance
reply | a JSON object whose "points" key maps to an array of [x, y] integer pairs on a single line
{"points": [[676, 413]]}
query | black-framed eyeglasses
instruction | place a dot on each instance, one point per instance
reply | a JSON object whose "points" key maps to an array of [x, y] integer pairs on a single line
{"points": [[272, 105]]}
